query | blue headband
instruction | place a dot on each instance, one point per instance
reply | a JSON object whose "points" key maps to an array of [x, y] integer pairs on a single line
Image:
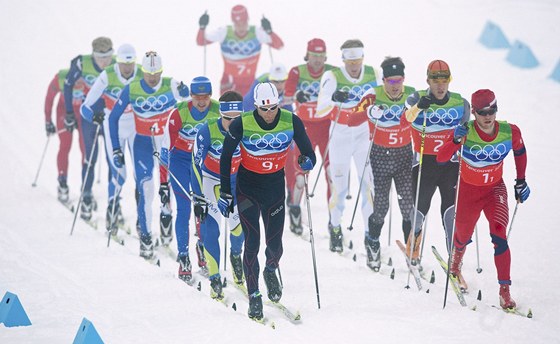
{"points": [[235, 106]]}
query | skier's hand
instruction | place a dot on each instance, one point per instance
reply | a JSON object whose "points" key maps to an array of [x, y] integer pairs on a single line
{"points": [[203, 21], [183, 90], [265, 23], [200, 208], [460, 132], [98, 117], [70, 121], [340, 96], [424, 102], [522, 190], [302, 97], [305, 163], [164, 193], [118, 158], [50, 128], [375, 112], [225, 204]]}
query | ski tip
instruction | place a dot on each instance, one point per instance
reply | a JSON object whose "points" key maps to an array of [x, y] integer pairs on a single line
{"points": [[390, 262], [433, 277], [530, 314], [393, 274], [234, 306], [354, 258], [479, 296], [428, 291]]}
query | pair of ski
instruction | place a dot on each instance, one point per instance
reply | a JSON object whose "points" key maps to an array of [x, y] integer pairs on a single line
{"points": [[293, 316], [459, 290]]}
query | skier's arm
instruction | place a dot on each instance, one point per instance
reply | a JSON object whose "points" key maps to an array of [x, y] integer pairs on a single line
{"points": [[52, 91], [447, 151], [519, 151], [291, 84], [271, 39], [94, 95], [116, 114], [230, 144], [325, 104], [73, 75], [170, 133], [302, 140], [412, 109], [204, 37], [200, 150]]}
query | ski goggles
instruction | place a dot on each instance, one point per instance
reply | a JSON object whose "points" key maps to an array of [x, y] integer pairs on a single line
{"points": [[394, 81], [489, 111], [266, 109]]}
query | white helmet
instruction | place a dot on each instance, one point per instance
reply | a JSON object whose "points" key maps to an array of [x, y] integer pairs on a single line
{"points": [[265, 94], [151, 63], [277, 72], [126, 54]]}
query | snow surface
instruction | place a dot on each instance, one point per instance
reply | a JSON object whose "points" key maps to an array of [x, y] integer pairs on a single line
{"points": [[61, 278]]}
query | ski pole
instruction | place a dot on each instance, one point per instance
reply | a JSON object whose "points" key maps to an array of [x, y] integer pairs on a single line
{"points": [[512, 218], [326, 150], [454, 225], [478, 268], [226, 234], [112, 218], [34, 184], [348, 194], [99, 162], [413, 230], [362, 179], [97, 131], [311, 239], [390, 213]]}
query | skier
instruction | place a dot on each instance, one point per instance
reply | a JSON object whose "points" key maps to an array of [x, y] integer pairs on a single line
{"points": [[277, 75], [484, 144], [56, 87], [434, 112], [87, 68], [152, 99], [241, 47], [109, 85], [264, 136], [206, 179], [391, 153], [180, 133], [339, 96], [302, 88]]}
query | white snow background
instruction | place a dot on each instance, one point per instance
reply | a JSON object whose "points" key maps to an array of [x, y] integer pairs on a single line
{"points": [[61, 278]]}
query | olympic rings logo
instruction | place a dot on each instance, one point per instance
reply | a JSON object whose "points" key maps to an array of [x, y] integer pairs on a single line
{"points": [[217, 147], [152, 103], [489, 152], [310, 88], [191, 130], [89, 79], [443, 116], [241, 48], [115, 92], [355, 92], [393, 112], [273, 141]]}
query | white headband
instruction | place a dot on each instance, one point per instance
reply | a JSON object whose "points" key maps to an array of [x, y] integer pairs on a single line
{"points": [[352, 53]]}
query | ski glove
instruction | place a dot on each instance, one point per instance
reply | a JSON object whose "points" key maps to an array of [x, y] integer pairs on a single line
{"points": [[522, 190], [98, 117], [51, 129], [70, 121], [200, 208], [375, 112], [339, 96], [203, 21], [164, 193], [183, 90], [305, 163], [460, 132], [118, 158], [265, 23], [424, 102], [225, 204], [302, 97]]}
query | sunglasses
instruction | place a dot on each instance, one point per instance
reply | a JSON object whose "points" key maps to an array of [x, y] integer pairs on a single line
{"points": [[354, 62], [266, 109], [487, 111], [394, 81]]}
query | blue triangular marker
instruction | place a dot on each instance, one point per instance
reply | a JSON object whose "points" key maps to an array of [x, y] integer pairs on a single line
{"points": [[520, 55], [12, 312], [87, 334], [556, 73], [493, 37]]}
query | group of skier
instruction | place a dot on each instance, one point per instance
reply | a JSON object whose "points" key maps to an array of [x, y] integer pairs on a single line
{"points": [[232, 161]]}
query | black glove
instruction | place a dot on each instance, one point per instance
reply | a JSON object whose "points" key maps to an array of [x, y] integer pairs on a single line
{"points": [[203, 21], [302, 97], [522, 190], [225, 204], [265, 23], [118, 158], [340, 96], [51, 129], [70, 121], [424, 102], [164, 193], [200, 209], [98, 117]]}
